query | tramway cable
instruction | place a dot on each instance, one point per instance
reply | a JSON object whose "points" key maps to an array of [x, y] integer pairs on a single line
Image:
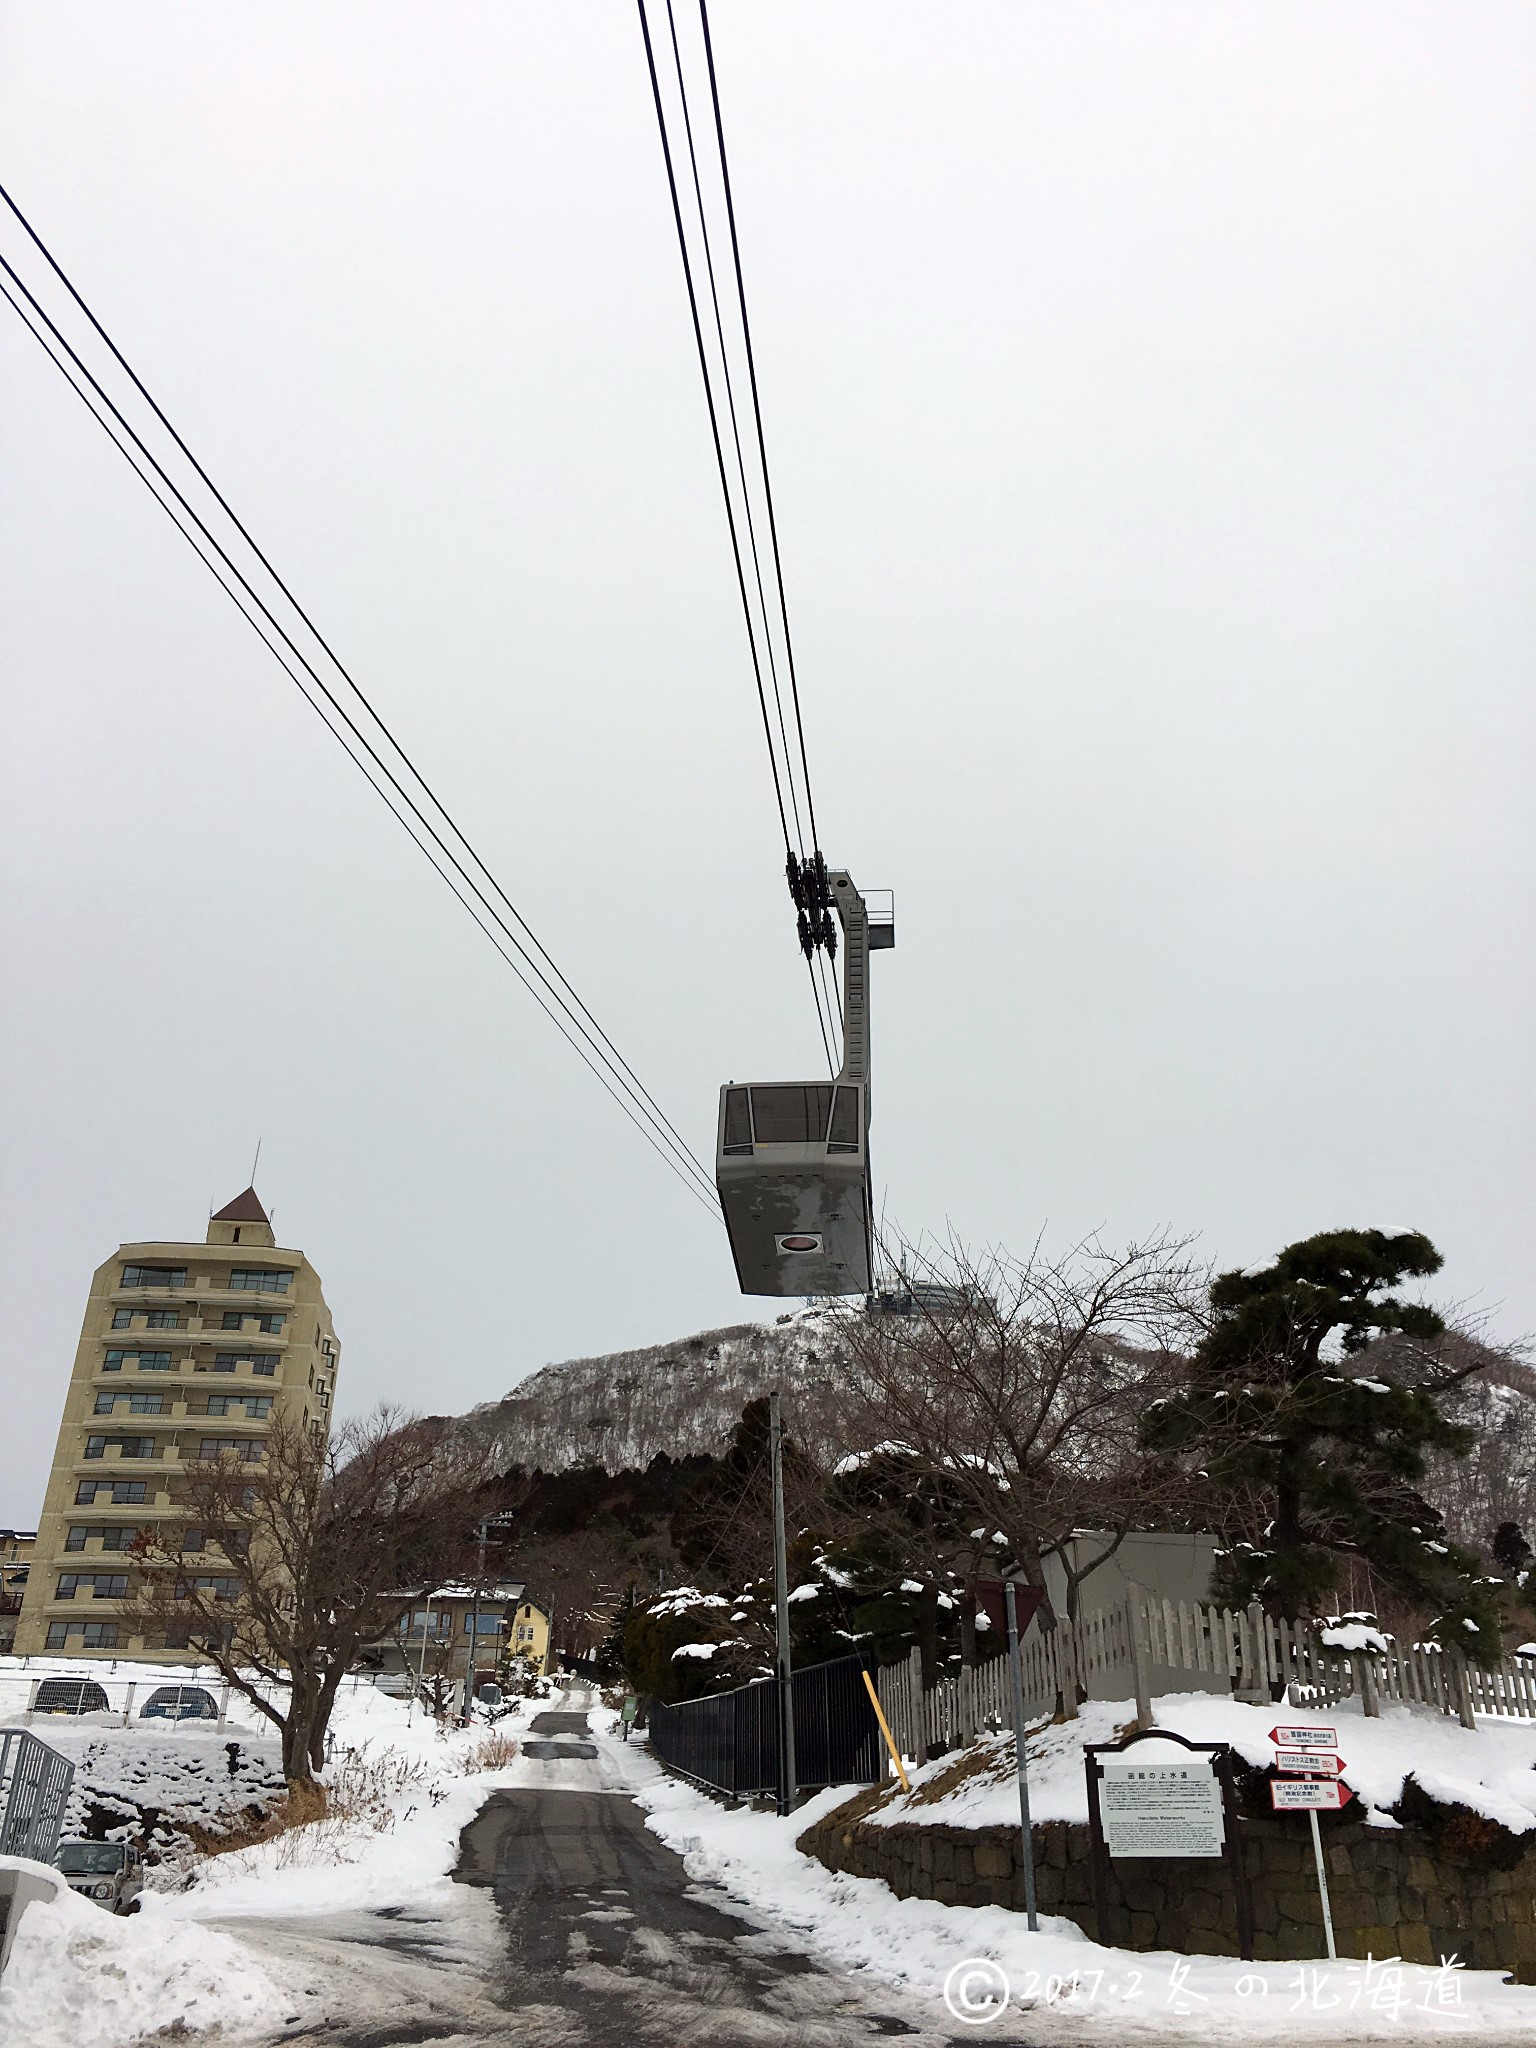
{"points": [[757, 413], [805, 869], [566, 1011], [822, 993], [791, 1158]]}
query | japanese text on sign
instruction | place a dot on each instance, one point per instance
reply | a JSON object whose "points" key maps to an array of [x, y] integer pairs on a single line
{"points": [[1161, 1810]]}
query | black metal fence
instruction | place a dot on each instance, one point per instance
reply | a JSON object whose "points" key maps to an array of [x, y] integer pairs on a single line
{"points": [[34, 1785], [731, 1740]]}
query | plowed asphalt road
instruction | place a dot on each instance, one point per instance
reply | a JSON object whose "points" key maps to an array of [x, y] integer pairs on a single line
{"points": [[598, 1939]]}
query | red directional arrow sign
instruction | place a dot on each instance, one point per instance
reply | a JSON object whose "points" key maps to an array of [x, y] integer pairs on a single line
{"points": [[1319, 1763], [1297, 1795], [1303, 1737]]}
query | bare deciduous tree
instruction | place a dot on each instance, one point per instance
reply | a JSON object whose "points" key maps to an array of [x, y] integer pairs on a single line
{"points": [[1013, 1388], [582, 1578], [278, 1570]]}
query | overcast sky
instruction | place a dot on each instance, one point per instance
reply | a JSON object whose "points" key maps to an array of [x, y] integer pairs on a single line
{"points": [[1150, 398]]}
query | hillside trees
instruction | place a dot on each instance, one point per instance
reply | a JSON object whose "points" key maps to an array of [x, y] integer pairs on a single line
{"points": [[279, 1570], [589, 1542], [1276, 1407]]}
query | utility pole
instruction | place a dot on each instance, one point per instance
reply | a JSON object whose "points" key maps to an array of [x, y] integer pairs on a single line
{"points": [[474, 1631], [421, 1662], [1026, 1829], [787, 1787]]}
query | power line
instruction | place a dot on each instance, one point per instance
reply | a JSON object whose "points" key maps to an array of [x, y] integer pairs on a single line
{"points": [[609, 1051], [566, 1010], [382, 788]]}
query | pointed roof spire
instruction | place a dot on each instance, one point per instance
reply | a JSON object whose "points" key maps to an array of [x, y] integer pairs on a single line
{"points": [[244, 1208]]}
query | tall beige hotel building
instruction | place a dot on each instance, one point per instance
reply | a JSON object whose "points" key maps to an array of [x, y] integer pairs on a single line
{"points": [[187, 1351]]}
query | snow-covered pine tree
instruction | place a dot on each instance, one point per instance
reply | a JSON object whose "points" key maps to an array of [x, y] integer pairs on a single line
{"points": [[1335, 1455]]}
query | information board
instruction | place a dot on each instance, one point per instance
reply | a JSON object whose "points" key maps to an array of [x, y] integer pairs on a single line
{"points": [[1170, 1809]]}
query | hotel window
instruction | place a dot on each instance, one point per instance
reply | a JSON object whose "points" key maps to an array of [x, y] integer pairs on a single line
{"points": [[101, 1585], [123, 1493], [154, 1276], [111, 1539], [91, 1635], [260, 1280], [256, 1406], [146, 1361], [269, 1322], [128, 1446]]}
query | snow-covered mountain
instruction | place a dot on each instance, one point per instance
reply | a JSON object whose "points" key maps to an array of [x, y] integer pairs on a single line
{"points": [[620, 1410]]}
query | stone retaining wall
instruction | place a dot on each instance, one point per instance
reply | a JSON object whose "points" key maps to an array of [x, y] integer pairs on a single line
{"points": [[1394, 1892]]}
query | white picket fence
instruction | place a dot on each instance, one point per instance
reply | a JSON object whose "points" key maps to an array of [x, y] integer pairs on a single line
{"points": [[1143, 1646]]}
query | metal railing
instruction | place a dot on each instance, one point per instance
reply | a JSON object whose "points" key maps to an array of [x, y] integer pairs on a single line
{"points": [[731, 1740], [34, 1787]]}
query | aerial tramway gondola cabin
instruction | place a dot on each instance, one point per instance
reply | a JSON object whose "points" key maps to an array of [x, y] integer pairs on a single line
{"points": [[792, 1157]]}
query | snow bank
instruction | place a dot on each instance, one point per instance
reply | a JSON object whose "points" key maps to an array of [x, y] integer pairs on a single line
{"points": [[1491, 1768], [147, 1783], [79, 1977], [332, 1868]]}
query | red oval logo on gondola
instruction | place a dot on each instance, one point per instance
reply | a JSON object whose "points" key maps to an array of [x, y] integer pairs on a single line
{"points": [[800, 1244]]}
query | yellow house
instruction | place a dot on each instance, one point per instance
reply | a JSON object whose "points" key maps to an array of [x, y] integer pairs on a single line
{"points": [[528, 1637]]}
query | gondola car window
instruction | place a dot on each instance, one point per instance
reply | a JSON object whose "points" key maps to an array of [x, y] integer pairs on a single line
{"points": [[738, 1122], [789, 1115], [844, 1135]]}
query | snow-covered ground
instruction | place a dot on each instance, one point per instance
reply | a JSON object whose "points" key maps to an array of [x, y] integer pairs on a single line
{"points": [[1491, 1768], [1082, 1991], [81, 1979]]}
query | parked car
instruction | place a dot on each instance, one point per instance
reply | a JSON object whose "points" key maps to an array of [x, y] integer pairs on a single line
{"points": [[70, 1696], [180, 1703], [109, 1873]]}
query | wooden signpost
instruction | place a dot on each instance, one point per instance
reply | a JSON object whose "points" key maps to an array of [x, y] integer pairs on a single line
{"points": [[1162, 1801]]}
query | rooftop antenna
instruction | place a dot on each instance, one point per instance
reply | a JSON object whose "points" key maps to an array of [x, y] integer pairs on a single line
{"points": [[254, 1164]]}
